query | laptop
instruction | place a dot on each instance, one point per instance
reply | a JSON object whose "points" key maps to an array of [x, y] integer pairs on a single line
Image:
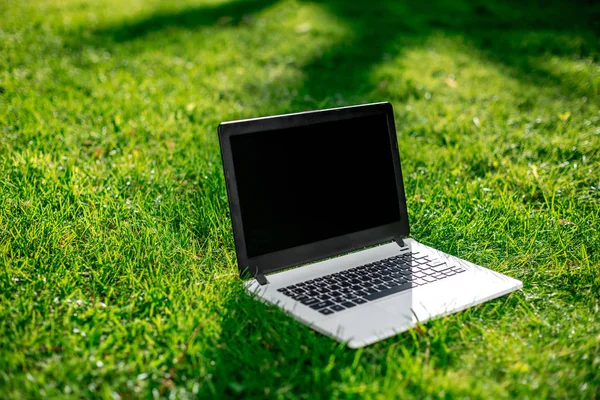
{"points": [[321, 227]]}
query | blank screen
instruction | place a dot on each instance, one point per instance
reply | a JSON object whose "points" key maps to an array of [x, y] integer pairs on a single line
{"points": [[305, 184]]}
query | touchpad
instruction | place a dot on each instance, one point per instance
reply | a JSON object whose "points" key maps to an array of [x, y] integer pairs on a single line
{"points": [[366, 323]]}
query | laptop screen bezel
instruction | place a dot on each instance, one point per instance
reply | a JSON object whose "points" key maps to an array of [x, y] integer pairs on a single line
{"points": [[294, 256]]}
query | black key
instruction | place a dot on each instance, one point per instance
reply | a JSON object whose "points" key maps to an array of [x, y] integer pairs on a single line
{"points": [[436, 263], [356, 287], [323, 297], [381, 287], [334, 287], [348, 304], [371, 290], [299, 298], [321, 304], [388, 292], [359, 301], [441, 268], [335, 294], [310, 301], [326, 311], [337, 307]]}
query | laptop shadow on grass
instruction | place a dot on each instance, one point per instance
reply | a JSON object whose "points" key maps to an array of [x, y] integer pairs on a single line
{"points": [[263, 351]]}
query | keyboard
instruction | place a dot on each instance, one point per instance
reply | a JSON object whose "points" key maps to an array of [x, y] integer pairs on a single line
{"points": [[346, 289]]}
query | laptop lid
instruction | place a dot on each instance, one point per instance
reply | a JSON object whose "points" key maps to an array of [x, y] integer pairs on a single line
{"points": [[307, 186]]}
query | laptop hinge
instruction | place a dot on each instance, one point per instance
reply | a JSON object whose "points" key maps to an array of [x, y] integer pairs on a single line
{"points": [[399, 241], [261, 279]]}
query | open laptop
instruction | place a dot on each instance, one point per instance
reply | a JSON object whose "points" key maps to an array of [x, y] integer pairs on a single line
{"points": [[322, 191]]}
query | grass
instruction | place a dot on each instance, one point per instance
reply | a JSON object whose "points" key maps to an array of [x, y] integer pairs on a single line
{"points": [[117, 266]]}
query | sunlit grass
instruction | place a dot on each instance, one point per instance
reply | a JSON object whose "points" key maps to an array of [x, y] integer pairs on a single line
{"points": [[118, 275]]}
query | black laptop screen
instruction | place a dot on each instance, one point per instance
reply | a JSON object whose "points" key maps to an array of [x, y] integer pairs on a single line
{"points": [[306, 184]]}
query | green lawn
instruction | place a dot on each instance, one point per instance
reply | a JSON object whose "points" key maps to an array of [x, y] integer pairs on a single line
{"points": [[118, 275]]}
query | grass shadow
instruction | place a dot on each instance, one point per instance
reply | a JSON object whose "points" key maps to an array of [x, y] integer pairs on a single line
{"points": [[263, 352], [514, 36], [226, 14]]}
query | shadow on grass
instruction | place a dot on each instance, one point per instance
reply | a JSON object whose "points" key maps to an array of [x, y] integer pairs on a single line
{"points": [[263, 352], [231, 13], [514, 35]]}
